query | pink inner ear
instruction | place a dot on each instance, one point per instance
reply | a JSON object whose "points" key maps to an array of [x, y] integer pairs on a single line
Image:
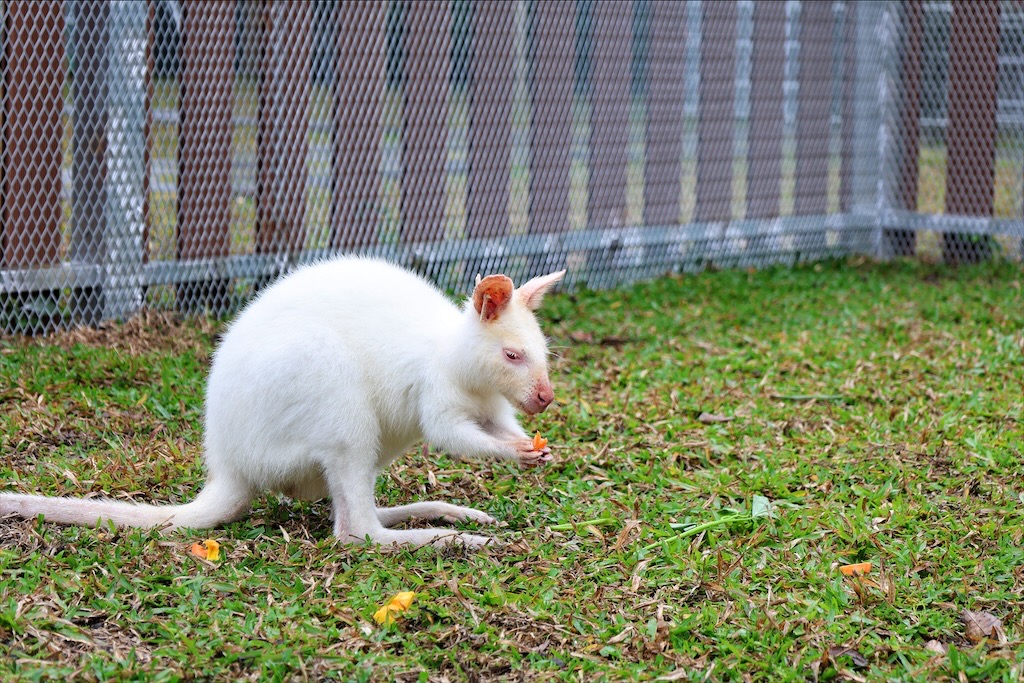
{"points": [[533, 292], [491, 296]]}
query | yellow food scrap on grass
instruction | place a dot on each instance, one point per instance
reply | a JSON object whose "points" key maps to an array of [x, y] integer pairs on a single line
{"points": [[208, 550], [385, 616], [539, 442], [858, 569]]}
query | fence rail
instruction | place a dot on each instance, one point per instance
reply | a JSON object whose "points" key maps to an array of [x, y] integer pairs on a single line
{"points": [[184, 152]]}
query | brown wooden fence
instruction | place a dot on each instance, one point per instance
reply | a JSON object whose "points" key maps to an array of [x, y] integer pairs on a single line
{"points": [[33, 76], [609, 135]]}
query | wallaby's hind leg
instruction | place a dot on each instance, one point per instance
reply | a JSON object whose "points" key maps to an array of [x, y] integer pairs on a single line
{"points": [[432, 510], [356, 517]]}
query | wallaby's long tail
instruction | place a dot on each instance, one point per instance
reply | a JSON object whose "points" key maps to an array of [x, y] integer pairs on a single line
{"points": [[216, 504]]}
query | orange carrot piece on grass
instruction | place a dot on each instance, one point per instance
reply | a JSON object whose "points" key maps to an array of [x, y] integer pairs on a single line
{"points": [[208, 550]]}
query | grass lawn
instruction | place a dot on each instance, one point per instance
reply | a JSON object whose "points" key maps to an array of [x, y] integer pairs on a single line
{"points": [[724, 442]]}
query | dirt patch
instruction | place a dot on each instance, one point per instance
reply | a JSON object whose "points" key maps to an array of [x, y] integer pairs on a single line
{"points": [[148, 332]]}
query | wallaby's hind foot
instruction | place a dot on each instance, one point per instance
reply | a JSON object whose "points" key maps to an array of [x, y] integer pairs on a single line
{"points": [[432, 510]]}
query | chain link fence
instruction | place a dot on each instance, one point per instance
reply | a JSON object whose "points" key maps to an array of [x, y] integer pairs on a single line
{"points": [[183, 153]]}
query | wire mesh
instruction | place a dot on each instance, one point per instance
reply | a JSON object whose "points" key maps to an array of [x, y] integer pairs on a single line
{"points": [[184, 153]]}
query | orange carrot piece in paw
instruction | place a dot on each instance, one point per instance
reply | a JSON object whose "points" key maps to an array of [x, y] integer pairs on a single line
{"points": [[855, 569]]}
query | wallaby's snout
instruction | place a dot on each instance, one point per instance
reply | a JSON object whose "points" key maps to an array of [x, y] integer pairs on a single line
{"points": [[542, 397], [545, 395]]}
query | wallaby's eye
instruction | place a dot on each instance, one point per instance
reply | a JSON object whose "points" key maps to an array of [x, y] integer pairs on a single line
{"points": [[513, 356]]}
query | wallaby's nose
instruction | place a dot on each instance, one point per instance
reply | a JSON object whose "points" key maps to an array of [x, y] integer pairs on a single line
{"points": [[540, 399]]}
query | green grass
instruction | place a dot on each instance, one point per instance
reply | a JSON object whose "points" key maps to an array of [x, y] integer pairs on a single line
{"points": [[876, 407]]}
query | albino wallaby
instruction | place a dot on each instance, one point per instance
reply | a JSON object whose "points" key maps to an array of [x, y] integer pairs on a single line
{"points": [[332, 373]]}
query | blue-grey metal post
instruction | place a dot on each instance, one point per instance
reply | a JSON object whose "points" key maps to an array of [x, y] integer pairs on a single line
{"points": [[126, 146], [868, 189]]}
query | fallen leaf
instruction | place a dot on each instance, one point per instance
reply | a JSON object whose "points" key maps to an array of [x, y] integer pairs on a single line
{"points": [[981, 625], [936, 647], [403, 600], [760, 507], [837, 651], [385, 616], [623, 537], [858, 569], [208, 550], [539, 442], [625, 633], [713, 418]]}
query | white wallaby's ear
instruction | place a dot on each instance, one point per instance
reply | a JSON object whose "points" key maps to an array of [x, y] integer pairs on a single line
{"points": [[491, 296], [532, 292]]}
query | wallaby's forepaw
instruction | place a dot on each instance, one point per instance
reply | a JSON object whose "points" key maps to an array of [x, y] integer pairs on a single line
{"points": [[536, 459], [531, 457]]}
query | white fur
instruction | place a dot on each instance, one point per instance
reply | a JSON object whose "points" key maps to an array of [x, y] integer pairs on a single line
{"points": [[330, 375]]}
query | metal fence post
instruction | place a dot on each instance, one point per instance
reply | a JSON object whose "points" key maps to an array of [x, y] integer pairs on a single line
{"points": [[866, 190], [124, 219], [108, 157]]}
